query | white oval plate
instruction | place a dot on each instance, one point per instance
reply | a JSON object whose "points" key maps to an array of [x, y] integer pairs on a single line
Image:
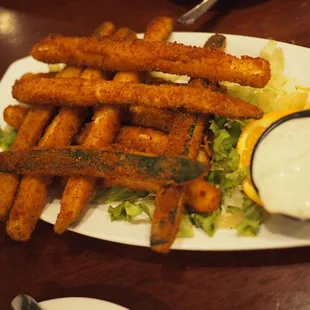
{"points": [[79, 303], [276, 233]]}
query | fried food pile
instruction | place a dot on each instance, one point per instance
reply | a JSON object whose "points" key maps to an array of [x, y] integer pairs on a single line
{"points": [[103, 121]]}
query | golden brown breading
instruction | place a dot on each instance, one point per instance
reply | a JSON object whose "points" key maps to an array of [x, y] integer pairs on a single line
{"points": [[202, 196], [139, 55], [102, 163], [80, 92], [143, 139], [14, 115], [105, 29], [159, 29], [139, 185], [149, 117], [100, 132], [169, 206], [32, 192], [28, 135], [186, 135]]}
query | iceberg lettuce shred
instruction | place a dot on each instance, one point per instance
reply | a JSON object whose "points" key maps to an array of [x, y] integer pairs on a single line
{"points": [[114, 194], [227, 176], [186, 227], [7, 138], [207, 223], [225, 172], [127, 211]]}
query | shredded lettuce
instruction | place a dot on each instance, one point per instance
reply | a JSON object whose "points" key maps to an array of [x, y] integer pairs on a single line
{"points": [[127, 211], [186, 227], [248, 228], [228, 177], [114, 194], [254, 215], [7, 138], [225, 172], [208, 223], [232, 209], [252, 211]]}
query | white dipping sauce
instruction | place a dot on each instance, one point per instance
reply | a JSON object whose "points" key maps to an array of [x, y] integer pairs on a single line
{"points": [[281, 169]]}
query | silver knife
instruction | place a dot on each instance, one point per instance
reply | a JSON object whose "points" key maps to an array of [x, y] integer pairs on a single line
{"points": [[191, 16]]}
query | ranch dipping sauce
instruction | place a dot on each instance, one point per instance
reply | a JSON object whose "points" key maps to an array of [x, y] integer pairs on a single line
{"points": [[280, 167]]}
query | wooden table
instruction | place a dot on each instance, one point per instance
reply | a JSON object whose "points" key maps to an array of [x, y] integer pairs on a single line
{"points": [[50, 266]]}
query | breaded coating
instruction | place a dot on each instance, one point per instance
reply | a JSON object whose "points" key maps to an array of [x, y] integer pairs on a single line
{"points": [[202, 197], [139, 55], [149, 117], [99, 133], [139, 185], [81, 92], [185, 139], [143, 139], [105, 29], [159, 29], [169, 206], [32, 193], [102, 163], [28, 135], [14, 115], [186, 135], [33, 190]]}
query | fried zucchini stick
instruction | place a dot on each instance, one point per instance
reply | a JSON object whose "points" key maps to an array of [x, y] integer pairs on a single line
{"points": [[81, 92], [139, 55], [159, 29], [186, 135], [169, 206], [33, 190], [202, 197], [30, 131], [14, 115], [28, 135], [106, 123], [184, 139], [149, 116], [161, 119], [143, 139], [100, 132], [102, 163]]}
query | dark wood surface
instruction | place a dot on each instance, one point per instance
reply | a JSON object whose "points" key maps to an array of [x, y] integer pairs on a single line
{"points": [[50, 266]]}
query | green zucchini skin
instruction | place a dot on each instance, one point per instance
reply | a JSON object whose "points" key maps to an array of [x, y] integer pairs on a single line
{"points": [[102, 163], [167, 216]]}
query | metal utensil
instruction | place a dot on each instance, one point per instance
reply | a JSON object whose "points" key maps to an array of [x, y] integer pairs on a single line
{"points": [[191, 16], [24, 302]]}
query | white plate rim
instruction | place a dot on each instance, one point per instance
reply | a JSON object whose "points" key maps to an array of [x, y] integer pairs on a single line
{"points": [[81, 302]]}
